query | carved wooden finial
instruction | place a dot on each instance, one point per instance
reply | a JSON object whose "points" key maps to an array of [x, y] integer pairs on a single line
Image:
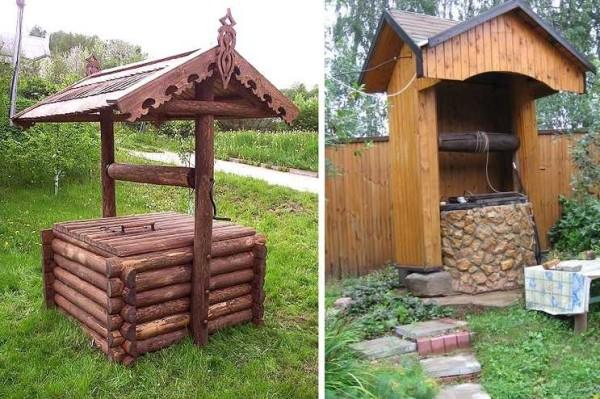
{"points": [[225, 54], [92, 66]]}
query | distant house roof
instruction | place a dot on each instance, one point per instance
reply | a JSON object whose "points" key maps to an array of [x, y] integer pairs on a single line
{"points": [[420, 31], [32, 47]]}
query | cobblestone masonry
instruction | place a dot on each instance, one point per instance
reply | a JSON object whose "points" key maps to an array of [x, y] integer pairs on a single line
{"points": [[485, 249]]}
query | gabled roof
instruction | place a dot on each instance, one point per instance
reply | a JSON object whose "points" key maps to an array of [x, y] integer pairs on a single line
{"points": [[141, 90], [420, 31], [420, 27]]}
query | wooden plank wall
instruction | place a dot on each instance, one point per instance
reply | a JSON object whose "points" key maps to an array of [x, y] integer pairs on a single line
{"points": [[414, 165], [556, 171], [464, 107], [358, 231], [504, 44]]}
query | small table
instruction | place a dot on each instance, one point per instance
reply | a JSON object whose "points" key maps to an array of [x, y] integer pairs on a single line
{"points": [[545, 291]]}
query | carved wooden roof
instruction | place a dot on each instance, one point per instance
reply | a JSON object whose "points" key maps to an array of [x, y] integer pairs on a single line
{"points": [[137, 91]]}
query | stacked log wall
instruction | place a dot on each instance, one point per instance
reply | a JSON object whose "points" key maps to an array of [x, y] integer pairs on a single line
{"points": [[141, 303], [83, 289]]}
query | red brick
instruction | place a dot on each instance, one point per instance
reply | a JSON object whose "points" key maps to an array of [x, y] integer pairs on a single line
{"points": [[424, 346], [450, 343], [437, 345], [464, 339]]}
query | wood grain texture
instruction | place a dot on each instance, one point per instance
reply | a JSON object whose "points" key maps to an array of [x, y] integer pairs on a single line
{"points": [[358, 234], [48, 265], [463, 107], [107, 157], [505, 44], [153, 174], [203, 216], [414, 167], [348, 251]]}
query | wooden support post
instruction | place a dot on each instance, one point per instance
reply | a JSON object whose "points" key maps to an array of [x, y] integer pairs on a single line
{"points": [[528, 155], [429, 175], [580, 323], [414, 168], [204, 165], [107, 138]]}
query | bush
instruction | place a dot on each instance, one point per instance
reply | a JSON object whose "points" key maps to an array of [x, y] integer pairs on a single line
{"points": [[578, 228], [49, 153]]}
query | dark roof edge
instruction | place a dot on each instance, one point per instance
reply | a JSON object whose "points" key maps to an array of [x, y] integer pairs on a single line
{"points": [[365, 66], [503, 9], [388, 18]]}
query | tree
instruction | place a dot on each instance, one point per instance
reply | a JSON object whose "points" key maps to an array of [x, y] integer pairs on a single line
{"points": [[348, 113]]}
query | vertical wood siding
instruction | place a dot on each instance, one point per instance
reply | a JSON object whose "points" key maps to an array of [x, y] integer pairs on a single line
{"points": [[414, 165], [358, 230], [464, 107], [503, 44]]}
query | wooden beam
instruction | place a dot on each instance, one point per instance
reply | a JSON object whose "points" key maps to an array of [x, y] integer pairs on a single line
{"points": [[204, 164], [107, 139], [528, 155], [184, 108], [429, 174], [153, 174], [474, 142]]}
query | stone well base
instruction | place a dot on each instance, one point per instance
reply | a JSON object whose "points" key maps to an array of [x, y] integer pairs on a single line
{"points": [[485, 249]]}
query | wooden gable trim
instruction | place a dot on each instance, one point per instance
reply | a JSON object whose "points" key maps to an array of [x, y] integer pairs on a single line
{"points": [[504, 44], [387, 20], [505, 8], [153, 95]]}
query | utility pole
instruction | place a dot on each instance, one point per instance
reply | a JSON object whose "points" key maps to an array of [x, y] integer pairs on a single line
{"points": [[16, 60]]}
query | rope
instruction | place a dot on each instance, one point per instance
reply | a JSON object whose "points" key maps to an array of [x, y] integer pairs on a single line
{"points": [[482, 144], [377, 95]]}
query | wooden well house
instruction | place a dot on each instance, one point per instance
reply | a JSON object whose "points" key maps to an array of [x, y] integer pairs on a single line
{"points": [[462, 123], [140, 283]]}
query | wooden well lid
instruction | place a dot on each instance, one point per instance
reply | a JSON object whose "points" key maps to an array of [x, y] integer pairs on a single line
{"points": [[138, 234]]}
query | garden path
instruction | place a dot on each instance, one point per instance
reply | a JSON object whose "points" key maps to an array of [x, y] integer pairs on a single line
{"points": [[292, 180], [443, 347]]}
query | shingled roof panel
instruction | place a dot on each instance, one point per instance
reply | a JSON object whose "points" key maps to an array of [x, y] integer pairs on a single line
{"points": [[421, 27]]}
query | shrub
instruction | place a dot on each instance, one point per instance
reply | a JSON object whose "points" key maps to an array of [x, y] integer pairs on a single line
{"points": [[377, 309], [49, 153], [578, 228]]}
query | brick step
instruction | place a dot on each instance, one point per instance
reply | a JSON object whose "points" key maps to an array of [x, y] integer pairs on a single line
{"points": [[430, 328], [462, 366], [444, 344], [463, 391], [384, 347]]}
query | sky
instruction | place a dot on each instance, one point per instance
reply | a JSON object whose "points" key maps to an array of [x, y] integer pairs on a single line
{"points": [[283, 39]]}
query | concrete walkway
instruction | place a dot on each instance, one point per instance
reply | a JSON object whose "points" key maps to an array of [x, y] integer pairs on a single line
{"points": [[291, 180]]}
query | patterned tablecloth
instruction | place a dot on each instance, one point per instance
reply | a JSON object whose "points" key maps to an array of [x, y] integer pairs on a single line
{"points": [[560, 292]]}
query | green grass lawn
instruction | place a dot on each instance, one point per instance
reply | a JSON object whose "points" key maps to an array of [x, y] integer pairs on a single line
{"points": [[44, 354], [297, 150], [529, 355]]}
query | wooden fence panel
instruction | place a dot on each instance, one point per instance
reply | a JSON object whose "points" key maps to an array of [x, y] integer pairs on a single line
{"points": [[358, 231], [556, 171]]}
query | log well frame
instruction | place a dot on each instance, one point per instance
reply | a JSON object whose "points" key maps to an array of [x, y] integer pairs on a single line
{"points": [[199, 85], [447, 78]]}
